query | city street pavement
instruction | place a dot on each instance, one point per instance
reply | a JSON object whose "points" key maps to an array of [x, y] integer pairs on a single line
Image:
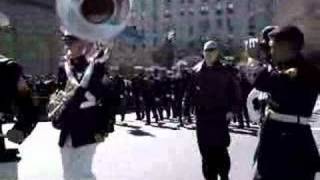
{"points": [[136, 152]]}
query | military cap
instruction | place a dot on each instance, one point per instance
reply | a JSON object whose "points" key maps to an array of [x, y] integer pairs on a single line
{"points": [[291, 34]]}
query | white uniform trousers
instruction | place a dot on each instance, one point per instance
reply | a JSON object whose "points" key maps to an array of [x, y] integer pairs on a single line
{"points": [[77, 162]]}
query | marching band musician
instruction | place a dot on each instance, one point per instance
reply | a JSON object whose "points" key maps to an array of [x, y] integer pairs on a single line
{"points": [[287, 149], [85, 125]]}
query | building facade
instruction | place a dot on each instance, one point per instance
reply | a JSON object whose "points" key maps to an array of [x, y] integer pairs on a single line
{"points": [[197, 20], [32, 39]]}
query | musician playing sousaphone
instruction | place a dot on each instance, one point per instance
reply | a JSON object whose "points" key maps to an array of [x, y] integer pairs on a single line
{"points": [[84, 121], [84, 112]]}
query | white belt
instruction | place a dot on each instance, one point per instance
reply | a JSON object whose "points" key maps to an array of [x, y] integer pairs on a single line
{"points": [[287, 118]]}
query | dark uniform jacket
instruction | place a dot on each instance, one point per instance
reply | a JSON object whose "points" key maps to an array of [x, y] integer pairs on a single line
{"points": [[217, 93], [148, 91], [294, 96], [288, 150], [137, 85], [82, 124]]}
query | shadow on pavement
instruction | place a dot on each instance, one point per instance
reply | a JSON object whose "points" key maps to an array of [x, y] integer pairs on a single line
{"points": [[139, 132], [164, 126], [129, 126]]}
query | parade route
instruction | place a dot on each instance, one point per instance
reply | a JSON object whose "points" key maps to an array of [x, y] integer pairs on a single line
{"points": [[135, 151]]}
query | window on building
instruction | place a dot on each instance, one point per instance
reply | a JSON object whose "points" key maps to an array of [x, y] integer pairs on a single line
{"points": [[204, 26], [250, 6], [230, 39], [168, 3], [191, 30], [219, 8], [182, 1], [252, 23], [219, 23], [229, 24], [191, 1], [204, 10], [167, 14], [134, 47], [230, 7], [191, 12], [182, 12], [252, 33], [155, 41], [143, 5]]}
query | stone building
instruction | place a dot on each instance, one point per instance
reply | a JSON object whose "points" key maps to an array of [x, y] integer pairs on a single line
{"points": [[195, 21], [32, 40]]}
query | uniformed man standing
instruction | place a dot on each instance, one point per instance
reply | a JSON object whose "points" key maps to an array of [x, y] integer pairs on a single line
{"points": [[287, 150], [149, 97], [168, 93], [120, 92], [137, 88], [179, 88], [158, 90]]}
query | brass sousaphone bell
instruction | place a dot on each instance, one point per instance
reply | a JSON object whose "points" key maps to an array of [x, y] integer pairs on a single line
{"points": [[94, 20]]}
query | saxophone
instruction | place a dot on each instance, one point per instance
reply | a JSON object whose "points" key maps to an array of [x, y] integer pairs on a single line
{"points": [[57, 103]]}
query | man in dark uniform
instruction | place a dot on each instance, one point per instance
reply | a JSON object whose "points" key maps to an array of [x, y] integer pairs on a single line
{"points": [[179, 88], [168, 92], [158, 90], [149, 97], [15, 91], [217, 101], [120, 89], [246, 87], [287, 149], [137, 87], [187, 100]]}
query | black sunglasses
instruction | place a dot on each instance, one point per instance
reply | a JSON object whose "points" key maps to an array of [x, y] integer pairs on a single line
{"points": [[210, 50]]}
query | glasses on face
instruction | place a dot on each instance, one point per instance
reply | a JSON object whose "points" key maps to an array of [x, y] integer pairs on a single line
{"points": [[210, 50]]}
